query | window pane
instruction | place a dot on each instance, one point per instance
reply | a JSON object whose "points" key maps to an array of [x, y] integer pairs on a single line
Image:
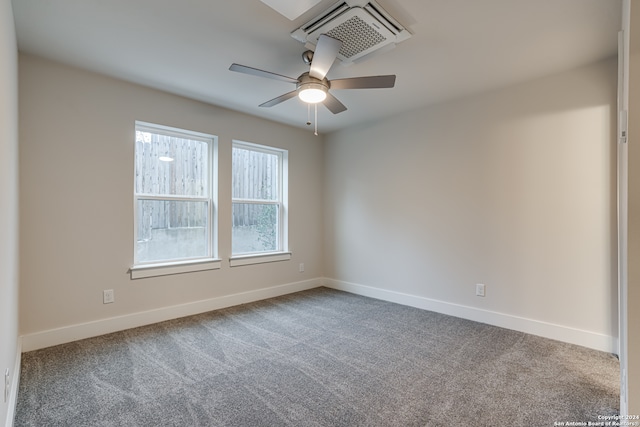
{"points": [[255, 175], [255, 228], [170, 165], [171, 230]]}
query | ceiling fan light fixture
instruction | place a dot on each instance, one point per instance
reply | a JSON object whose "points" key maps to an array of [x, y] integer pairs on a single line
{"points": [[312, 93]]}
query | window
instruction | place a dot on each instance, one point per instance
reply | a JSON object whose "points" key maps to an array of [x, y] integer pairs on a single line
{"points": [[173, 197], [259, 201]]}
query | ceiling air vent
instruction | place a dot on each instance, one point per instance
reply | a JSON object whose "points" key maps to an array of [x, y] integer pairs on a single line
{"points": [[363, 27]]}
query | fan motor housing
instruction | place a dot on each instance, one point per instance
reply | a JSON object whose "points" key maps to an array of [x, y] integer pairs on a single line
{"points": [[306, 81]]}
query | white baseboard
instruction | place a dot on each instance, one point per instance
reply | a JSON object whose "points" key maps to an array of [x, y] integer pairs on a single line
{"points": [[15, 383], [77, 332], [535, 327]]}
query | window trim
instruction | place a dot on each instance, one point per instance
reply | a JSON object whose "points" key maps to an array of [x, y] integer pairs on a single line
{"points": [[261, 258], [282, 253], [183, 265], [166, 268]]}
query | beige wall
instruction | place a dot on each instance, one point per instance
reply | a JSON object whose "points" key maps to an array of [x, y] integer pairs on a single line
{"points": [[514, 189], [633, 300], [8, 200], [76, 160]]}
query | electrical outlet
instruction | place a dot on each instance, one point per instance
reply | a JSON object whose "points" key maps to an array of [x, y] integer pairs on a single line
{"points": [[480, 290], [301, 267], [7, 387], [108, 296]]}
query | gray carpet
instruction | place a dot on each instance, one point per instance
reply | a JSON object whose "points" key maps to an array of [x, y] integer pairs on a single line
{"points": [[316, 358]]}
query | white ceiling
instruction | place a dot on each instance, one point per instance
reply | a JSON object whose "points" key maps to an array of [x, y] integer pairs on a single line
{"points": [[458, 48]]}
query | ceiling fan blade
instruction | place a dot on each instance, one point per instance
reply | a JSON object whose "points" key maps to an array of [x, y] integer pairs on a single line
{"points": [[261, 73], [332, 103], [326, 52], [281, 98], [371, 82]]}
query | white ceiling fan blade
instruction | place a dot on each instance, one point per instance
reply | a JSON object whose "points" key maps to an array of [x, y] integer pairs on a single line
{"points": [[369, 82], [261, 73], [333, 105], [326, 52], [279, 99]]}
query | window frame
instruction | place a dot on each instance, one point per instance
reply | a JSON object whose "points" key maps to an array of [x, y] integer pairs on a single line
{"points": [[180, 265], [282, 253]]}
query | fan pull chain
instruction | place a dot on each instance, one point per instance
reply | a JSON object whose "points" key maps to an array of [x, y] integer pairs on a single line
{"points": [[316, 120], [315, 131]]}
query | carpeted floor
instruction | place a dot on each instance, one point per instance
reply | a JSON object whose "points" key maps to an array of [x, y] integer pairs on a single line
{"points": [[316, 358]]}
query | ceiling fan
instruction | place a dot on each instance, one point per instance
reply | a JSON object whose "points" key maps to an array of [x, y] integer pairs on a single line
{"points": [[313, 87]]}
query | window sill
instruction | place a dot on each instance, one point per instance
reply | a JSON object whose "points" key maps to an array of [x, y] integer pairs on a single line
{"points": [[165, 269], [239, 260]]}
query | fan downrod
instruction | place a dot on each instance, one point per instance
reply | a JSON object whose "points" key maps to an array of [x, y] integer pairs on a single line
{"points": [[307, 56]]}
